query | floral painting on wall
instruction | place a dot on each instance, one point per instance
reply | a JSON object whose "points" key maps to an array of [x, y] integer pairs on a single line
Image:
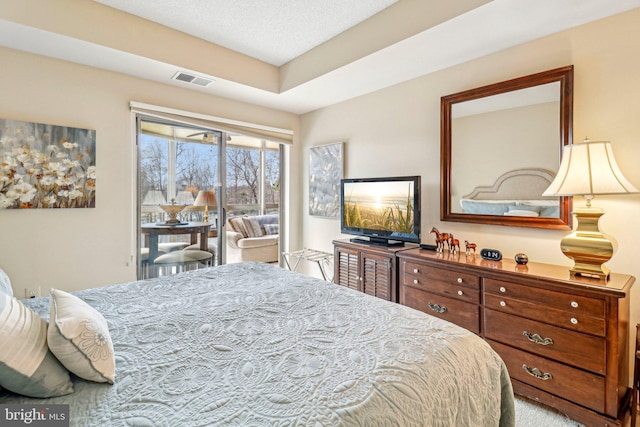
{"points": [[46, 166]]}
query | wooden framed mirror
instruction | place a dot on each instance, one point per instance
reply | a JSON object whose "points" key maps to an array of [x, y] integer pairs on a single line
{"points": [[501, 146]]}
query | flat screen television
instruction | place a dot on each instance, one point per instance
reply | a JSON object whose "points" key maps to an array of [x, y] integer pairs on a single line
{"points": [[383, 211]]}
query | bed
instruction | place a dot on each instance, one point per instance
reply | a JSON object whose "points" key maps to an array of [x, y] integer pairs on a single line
{"points": [[514, 193], [255, 345]]}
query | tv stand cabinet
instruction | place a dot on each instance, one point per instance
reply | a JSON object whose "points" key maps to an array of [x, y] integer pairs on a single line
{"points": [[564, 340], [372, 269]]}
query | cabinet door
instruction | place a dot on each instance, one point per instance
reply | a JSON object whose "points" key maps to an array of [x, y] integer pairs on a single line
{"points": [[377, 274], [346, 268]]}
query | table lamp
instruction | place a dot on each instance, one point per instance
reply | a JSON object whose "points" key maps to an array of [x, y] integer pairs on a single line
{"points": [[588, 169], [206, 198], [154, 198]]}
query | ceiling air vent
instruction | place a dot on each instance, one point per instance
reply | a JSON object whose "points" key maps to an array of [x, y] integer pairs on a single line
{"points": [[190, 78]]}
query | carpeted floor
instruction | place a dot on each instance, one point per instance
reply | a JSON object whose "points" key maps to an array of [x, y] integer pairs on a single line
{"points": [[529, 414]]}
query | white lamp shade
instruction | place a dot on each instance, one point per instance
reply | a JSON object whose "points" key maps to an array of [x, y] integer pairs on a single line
{"points": [[184, 198], [206, 198], [589, 168], [154, 197]]}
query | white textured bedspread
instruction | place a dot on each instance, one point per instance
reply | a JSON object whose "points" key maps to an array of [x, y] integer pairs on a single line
{"points": [[255, 345]]}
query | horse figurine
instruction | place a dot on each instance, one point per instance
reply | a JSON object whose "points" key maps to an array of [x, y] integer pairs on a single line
{"points": [[453, 244], [441, 238], [468, 247]]}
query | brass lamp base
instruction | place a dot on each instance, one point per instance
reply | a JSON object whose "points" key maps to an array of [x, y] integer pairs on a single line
{"points": [[587, 246]]}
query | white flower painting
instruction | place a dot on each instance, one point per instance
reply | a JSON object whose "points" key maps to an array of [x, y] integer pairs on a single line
{"points": [[46, 166]]}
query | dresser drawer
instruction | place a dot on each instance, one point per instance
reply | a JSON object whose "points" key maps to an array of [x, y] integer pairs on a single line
{"points": [[564, 381], [440, 276], [450, 290], [548, 299], [580, 350], [564, 319], [458, 312]]}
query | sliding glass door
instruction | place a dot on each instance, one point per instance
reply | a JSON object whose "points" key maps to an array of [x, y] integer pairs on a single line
{"points": [[182, 165]]}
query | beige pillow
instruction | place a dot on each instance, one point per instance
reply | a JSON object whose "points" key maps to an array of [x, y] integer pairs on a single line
{"points": [[27, 366], [252, 226], [237, 224], [79, 338]]}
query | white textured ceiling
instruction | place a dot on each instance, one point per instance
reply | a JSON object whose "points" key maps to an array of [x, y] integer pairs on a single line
{"points": [[274, 31], [462, 30]]}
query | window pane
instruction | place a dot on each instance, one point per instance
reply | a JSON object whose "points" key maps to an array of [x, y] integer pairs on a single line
{"points": [[243, 175], [153, 177], [196, 168], [272, 178]]}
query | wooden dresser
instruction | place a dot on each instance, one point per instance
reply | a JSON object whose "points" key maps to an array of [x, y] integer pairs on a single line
{"points": [[564, 340]]}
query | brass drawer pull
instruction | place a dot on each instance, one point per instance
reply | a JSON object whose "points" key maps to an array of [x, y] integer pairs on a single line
{"points": [[537, 338], [535, 372], [437, 308]]}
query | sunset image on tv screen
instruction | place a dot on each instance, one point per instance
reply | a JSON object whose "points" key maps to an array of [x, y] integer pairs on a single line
{"points": [[379, 205]]}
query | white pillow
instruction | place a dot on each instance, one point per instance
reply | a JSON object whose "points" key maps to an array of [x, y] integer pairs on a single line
{"points": [[5, 283], [518, 212], [79, 338], [27, 366]]}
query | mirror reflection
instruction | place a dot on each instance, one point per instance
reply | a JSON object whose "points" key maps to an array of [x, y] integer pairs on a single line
{"points": [[522, 126], [501, 148]]}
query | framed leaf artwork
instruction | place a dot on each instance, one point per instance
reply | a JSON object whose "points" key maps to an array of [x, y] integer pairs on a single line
{"points": [[325, 172]]}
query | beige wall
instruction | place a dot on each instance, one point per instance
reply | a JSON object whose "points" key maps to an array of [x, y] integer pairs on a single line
{"points": [[73, 249], [396, 131]]}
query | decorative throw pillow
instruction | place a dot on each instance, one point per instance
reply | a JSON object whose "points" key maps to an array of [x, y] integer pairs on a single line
{"points": [[237, 224], [5, 283], [271, 228], [252, 226], [27, 366], [79, 338], [523, 210]]}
